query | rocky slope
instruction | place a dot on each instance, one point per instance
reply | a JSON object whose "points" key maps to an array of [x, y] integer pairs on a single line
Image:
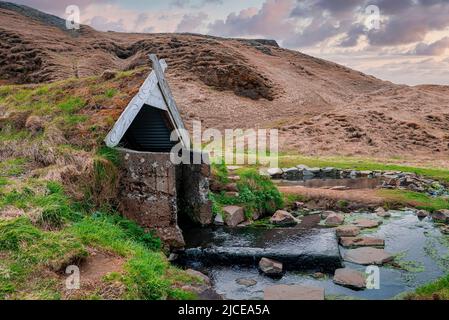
{"points": [[321, 108]]}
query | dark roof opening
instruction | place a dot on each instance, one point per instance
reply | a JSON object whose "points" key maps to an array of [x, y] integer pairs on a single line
{"points": [[149, 132]]}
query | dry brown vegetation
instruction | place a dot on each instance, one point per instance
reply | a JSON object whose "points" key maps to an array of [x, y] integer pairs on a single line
{"points": [[321, 108]]}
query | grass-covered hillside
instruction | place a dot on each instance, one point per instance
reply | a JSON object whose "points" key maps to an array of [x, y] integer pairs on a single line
{"points": [[57, 186]]}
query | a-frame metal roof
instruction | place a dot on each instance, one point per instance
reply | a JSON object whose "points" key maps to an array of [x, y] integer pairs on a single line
{"points": [[154, 92]]}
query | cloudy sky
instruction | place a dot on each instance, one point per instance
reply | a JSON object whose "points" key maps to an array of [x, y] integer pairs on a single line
{"points": [[404, 41]]}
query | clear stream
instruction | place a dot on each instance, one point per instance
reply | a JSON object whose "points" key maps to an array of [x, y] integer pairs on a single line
{"points": [[417, 244]]}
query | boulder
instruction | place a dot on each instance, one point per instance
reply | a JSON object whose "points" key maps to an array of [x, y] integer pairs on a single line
{"points": [[441, 215], [366, 223], [298, 205], [444, 230], [354, 242], [334, 220], [329, 172], [382, 213], [292, 174], [205, 279], [368, 256], [422, 214], [293, 292], [270, 267], [326, 214], [348, 231], [275, 173], [366, 173], [355, 174], [246, 282], [350, 278], [284, 219], [234, 215]]}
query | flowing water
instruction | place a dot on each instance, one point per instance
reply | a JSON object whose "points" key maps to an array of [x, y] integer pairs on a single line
{"points": [[416, 242]]}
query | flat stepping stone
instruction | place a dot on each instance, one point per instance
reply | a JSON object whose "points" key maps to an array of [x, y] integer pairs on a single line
{"points": [[293, 292], [334, 220], [355, 242], [366, 223], [368, 256], [350, 278], [348, 231], [246, 282]]}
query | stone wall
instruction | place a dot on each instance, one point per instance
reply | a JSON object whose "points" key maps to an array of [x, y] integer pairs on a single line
{"points": [[193, 194], [154, 193], [148, 193]]}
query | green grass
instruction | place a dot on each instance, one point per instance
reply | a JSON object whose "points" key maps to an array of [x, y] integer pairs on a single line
{"points": [[110, 93], [74, 119], [257, 193], [28, 249], [13, 167], [438, 289], [10, 134], [220, 172], [414, 199], [72, 105]]}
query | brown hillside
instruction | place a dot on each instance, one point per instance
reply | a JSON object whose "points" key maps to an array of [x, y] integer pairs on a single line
{"points": [[320, 107]]}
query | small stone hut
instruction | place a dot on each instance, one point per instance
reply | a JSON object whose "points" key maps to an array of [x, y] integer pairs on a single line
{"points": [[155, 192]]}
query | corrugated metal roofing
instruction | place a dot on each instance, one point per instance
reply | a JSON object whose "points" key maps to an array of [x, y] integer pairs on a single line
{"points": [[149, 132]]}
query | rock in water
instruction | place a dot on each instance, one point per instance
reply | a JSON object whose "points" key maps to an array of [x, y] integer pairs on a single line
{"points": [[334, 220], [382, 213], [275, 173], [350, 278], [292, 174], [326, 214], [366, 223], [348, 231], [234, 215], [441, 216], [293, 292], [246, 282], [270, 267], [368, 256], [284, 219], [422, 214], [202, 276], [354, 242]]}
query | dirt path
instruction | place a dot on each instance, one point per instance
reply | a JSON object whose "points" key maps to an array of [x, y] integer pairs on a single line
{"points": [[329, 198]]}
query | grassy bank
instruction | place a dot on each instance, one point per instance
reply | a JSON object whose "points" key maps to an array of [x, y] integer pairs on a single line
{"points": [[414, 199], [42, 232]]}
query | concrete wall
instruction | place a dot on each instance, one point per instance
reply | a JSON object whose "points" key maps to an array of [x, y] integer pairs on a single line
{"points": [[193, 194], [154, 193], [147, 193]]}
